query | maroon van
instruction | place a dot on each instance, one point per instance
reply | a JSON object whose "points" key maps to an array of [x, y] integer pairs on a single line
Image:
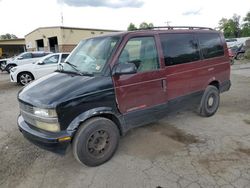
{"points": [[112, 83]]}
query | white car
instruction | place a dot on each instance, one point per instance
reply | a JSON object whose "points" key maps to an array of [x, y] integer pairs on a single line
{"points": [[24, 74], [22, 59]]}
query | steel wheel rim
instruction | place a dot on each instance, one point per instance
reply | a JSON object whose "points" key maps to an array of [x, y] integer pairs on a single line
{"points": [[98, 143], [210, 101], [25, 79]]}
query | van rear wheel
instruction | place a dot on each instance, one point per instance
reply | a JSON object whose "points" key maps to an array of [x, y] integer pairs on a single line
{"points": [[209, 102], [96, 141]]}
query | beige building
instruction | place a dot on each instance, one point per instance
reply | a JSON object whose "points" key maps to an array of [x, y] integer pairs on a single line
{"points": [[59, 39]]}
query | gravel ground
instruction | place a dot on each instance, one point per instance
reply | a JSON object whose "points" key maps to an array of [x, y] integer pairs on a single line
{"points": [[182, 150]]}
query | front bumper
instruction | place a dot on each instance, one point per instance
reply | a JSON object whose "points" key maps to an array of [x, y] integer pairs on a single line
{"points": [[13, 77], [46, 140]]}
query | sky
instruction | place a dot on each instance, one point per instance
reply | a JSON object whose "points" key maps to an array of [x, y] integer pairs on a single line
{"points": [[20, 17]]}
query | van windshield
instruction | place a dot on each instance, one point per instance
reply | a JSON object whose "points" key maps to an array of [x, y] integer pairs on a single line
{"points": [[91, 55]]}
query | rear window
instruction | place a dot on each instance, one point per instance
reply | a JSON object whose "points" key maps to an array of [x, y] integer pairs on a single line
{"points": [[179, 48], [211, 45]]}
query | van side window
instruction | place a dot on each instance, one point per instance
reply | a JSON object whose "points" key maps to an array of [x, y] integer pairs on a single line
{"points": [[141, 51], [179, 48], [211, 45]]}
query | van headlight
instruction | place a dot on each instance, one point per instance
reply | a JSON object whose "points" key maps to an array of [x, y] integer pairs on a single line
{"points": [[48, 113], [46, 119], [52, 127]]}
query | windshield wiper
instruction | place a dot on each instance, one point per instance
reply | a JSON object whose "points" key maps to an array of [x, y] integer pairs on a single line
{"points": [[74, 67]]}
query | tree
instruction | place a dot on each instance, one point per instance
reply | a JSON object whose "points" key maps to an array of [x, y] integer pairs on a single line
{"points": [[230, 27], [247, 20], [145, 25], [234, 28], [8, 36], [132, 27], [245, 32]]}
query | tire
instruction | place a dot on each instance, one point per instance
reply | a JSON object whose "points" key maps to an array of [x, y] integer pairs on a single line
{"points": [[9, 67], [24, 78], [209, 102], [95, 141]]}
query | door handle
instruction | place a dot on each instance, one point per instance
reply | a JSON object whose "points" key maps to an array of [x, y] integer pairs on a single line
{"points": [[164, 85]]}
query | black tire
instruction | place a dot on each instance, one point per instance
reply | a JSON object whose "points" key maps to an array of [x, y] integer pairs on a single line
{"points": [[24, 78], [9, 67], [209, 102], [96, 141]]}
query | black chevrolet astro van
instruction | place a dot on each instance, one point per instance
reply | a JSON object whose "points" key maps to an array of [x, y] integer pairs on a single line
{"points": [[110, 84]]}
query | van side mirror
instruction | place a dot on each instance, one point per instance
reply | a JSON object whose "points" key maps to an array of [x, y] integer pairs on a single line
{"points": [[20, 58], [124, 68]]}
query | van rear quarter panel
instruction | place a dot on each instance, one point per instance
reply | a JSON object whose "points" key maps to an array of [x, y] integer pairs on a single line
{"points": [[195, 76]]}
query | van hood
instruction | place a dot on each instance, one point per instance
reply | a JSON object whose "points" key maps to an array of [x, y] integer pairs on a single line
{"points": [[57, 88]]}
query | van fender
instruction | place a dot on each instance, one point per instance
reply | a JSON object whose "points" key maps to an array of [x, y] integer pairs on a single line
{"points": [[95, 112]]}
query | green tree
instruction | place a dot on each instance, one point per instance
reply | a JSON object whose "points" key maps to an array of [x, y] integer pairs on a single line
{"points": [[132, 27], [230, 27], [8, 36], [245, 32], [145, 25], [233, 28], [247, 19]]}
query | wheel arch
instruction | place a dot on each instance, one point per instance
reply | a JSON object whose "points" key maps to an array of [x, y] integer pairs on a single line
{"points": [[8, 65], [99, 112], [215, 83], [11, 64]]}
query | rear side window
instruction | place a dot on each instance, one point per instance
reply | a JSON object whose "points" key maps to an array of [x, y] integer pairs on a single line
{"points": [[179, 48], [211, 45]]}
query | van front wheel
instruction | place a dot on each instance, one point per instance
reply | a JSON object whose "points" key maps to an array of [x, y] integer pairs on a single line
{"points": [[209, 102], [96, 141]]}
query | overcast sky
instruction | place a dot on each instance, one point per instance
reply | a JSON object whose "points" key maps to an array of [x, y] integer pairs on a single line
{"points": [[20, 17]]}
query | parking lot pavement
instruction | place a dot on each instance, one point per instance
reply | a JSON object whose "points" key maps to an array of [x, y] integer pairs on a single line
{"points": [[242, 69], [182, 150]]}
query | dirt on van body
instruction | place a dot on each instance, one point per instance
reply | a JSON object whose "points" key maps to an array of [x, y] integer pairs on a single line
{"points": [[182, 150]]}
